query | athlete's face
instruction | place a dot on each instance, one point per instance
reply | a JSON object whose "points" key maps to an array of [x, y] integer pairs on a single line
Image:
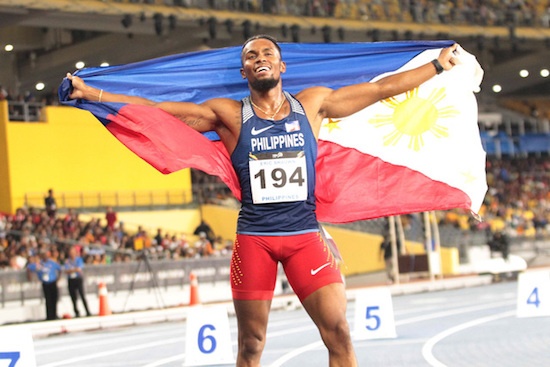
{"points": [[262, 64]]}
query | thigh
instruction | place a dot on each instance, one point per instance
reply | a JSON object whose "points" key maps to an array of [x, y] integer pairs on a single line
{"points": [[253, 268], [327, 306], [309, 264], [252, 317]]}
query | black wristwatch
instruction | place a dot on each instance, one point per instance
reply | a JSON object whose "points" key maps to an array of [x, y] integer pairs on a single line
{"points": [[438, 68]]}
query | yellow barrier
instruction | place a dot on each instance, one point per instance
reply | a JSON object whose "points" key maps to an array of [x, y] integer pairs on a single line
{"points": [[72, 153]]}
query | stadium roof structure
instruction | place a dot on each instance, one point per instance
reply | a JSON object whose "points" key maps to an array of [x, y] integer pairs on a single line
{"points": [[50, 36]]}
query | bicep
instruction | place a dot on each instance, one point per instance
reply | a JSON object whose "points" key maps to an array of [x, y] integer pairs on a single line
{"points": [[198, 116], [348, 100]]}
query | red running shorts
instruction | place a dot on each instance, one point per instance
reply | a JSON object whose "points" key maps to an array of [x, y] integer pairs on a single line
{"points": [[306, 259]]}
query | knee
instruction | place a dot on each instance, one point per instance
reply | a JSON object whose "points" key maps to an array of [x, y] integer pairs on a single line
{"points": [[337, 335], [251, 345]]}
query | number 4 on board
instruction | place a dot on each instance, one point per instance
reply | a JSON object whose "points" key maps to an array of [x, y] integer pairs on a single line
{"points": [[533, 294]]}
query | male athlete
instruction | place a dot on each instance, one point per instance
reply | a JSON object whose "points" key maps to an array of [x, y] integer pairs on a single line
{"points": [[271, 137]]}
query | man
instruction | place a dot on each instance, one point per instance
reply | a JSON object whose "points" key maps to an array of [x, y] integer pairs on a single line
{"points": [[48, 272], [50, 204], [205, 227], [271, 137], [110, 218], [387, 255], [75, 280]]}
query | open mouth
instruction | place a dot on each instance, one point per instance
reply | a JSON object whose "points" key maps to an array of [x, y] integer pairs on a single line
{"points": [[262, 69]]}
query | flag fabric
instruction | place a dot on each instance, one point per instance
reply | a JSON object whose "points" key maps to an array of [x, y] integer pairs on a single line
{"points": [[414, 152]]}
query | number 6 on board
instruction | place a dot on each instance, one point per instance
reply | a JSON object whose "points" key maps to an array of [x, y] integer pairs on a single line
{"points": [[533, 294], [374, 314], [208, 338]]}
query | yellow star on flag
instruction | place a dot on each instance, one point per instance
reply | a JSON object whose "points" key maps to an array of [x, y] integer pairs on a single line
{"points": [[469, 177], [332, 124]]}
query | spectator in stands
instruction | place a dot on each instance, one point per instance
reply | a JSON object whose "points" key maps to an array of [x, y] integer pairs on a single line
{"points": [[73, 268], [3, 93], [204, 246], [48, 272], [111, 218], [500, 243], [50, 204], [204, 227], [386, 254]]}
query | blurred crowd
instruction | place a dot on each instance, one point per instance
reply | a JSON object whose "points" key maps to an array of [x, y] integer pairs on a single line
{"points": [[529, 13], [30, 232], [517, 203]]}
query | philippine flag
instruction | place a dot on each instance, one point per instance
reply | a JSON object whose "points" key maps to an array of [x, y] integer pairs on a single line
{"points": [[415, 152]]}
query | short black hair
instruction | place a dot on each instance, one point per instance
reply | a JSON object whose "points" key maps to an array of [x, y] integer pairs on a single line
{"points": [[263, 36]]}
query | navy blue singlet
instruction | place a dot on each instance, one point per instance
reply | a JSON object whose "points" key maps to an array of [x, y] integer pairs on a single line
{"points": [[275, 163]]}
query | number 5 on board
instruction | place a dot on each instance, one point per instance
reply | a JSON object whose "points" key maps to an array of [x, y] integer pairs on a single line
{"points": [[208, 339], [374, 314], [533, 294]]}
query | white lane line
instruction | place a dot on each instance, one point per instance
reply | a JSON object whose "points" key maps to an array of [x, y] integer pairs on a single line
{"points": [[162, 362], [97, 342], [114, 351], [427, 349], [457, 311], [296, 352]]}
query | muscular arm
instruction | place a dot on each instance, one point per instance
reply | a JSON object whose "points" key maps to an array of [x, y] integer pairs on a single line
{"points": [[200, 117], [324, 102]]}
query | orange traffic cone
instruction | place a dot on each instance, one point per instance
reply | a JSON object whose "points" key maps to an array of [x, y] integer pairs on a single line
{"points": [[194, 290], [104, 309]]}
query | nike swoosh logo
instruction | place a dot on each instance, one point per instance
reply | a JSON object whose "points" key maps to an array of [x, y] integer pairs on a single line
{"points": [[315, 271], [256, 132]]}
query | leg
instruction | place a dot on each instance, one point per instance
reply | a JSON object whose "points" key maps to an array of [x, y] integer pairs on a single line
{"points": [[83, 297], [314, 275], [49, 297], [252, 319], [253, 276], [327, 308], [72, 293]]}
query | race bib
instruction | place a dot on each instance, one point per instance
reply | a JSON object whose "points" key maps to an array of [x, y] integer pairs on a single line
{"points": [[45, 277], [278, 177]]}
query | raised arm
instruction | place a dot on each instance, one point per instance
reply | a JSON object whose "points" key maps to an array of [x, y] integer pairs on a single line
{"points": [[347, 100], [201, 117]]}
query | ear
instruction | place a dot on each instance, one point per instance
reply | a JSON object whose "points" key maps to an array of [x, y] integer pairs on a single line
{"points": [[283, 67], [243, 74]]}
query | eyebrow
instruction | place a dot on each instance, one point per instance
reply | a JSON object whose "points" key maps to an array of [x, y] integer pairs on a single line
{"points": [[267, 48]]}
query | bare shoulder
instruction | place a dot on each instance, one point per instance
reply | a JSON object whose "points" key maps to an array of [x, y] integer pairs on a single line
{"points": [[222, 104], [313, 93], [312, 99], [227, 111]]}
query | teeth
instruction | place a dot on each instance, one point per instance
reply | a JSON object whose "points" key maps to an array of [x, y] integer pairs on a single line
{"points": [[263, 68]]}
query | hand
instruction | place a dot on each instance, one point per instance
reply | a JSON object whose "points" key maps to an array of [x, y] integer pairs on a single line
{"points": [[79, 87], [448, 57]]}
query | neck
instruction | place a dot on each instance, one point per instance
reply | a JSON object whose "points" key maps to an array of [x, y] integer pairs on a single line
{"points": [[268, 103], [272, 111]]}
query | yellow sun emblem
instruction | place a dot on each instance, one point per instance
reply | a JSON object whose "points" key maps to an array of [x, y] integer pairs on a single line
{"points": [[413, 117]]}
